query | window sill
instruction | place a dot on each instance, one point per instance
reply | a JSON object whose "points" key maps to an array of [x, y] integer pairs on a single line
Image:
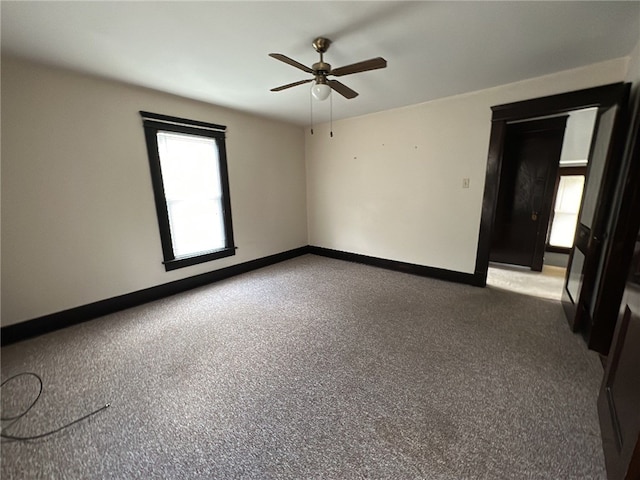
{"points": [[556, 249], [199, 258]]}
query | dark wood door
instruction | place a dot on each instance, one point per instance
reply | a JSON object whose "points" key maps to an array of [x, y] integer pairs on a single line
{"points": [[619, 399], [605, 234], [525, 193], [619, 243], [579, 281]]}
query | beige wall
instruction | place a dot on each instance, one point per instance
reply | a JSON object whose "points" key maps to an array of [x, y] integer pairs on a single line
{"points": [[78, 217], [389, 184], [577, 136], [633, 73], [79, 223]]}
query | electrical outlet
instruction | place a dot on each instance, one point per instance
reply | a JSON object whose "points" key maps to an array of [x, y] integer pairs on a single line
{"points": [[465, 183]]}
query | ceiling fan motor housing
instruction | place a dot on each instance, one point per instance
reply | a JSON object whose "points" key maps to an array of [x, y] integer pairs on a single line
{"points": [[321, 68]]}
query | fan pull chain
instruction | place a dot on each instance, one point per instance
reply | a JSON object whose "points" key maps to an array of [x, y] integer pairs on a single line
{"points": [[311, 110], [331, 114]]}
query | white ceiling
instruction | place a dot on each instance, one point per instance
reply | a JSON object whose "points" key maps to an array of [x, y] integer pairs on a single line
{"points": [[218, 51]]}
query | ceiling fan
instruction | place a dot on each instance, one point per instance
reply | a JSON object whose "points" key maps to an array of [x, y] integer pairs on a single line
{"points": [[321, 70]]}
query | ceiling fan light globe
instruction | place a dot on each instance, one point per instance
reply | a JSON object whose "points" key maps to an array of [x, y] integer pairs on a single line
{"points": [[320, 91]]}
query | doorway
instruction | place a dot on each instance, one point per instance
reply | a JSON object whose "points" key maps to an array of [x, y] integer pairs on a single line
{"points": [[555, 239], [605, 158], [526, 189]]}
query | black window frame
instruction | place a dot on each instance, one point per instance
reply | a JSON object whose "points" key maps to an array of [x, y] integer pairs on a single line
{"points": [[154, 123]]}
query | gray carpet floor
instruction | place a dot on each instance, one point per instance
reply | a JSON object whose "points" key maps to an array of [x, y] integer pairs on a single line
{"points": [[313, 368]]}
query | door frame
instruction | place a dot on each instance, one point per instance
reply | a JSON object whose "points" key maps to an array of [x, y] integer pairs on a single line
{"points": [[603, 96]]}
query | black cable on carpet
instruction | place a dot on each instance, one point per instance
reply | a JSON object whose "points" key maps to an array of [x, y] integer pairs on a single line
{"points": [[14, 419]]}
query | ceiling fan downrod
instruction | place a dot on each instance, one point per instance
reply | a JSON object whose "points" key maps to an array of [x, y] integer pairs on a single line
{"points": [[322, 69]]}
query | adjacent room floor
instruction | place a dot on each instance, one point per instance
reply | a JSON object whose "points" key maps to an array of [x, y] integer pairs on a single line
{"points": [[546, 284]]}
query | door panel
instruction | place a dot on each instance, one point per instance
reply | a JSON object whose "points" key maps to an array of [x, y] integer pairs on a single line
{"points": [[574, 275], [619, 399], [525, 193], [604, 128]]}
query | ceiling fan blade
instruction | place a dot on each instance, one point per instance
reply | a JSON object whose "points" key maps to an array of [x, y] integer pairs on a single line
{"points": [[289, 85], [290, 61], [371, 64], [342, 89]]}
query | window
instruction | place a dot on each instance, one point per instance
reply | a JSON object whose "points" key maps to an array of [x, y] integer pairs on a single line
{"points": [[567, 206], [191, 186]]}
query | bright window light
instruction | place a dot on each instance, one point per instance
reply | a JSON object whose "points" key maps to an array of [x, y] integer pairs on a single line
{"points": [[193, 192], [565, 217]]}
